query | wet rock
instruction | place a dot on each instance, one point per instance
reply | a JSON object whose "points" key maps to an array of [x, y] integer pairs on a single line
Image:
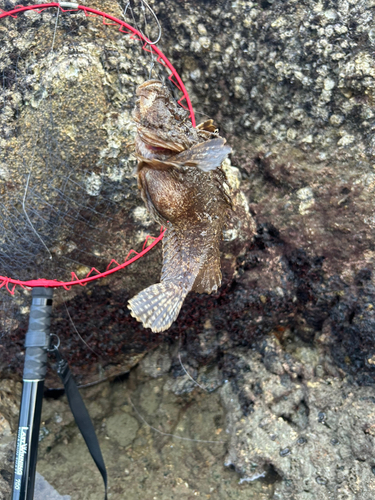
{"points": [[124, 422], [154, 442], [295, 427], [157, 363]]}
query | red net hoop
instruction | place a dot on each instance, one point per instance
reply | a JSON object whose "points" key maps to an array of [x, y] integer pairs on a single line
{"points": [[9, 283]]}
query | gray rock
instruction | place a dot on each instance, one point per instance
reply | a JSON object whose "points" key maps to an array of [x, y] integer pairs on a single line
{"points": [[157, 363], [44, 490], [315, 434], [122, 428]]}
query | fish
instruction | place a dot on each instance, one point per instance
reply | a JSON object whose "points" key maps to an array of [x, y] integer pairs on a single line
{"points": [[184, 187]]}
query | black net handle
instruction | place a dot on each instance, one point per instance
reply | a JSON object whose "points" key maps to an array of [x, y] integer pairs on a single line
{"points": [[34, 372]]}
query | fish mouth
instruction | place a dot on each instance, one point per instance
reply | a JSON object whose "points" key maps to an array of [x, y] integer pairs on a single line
{"points": [[155, 146], [158, 149], [152, 140], [150, 145], [145, 150]]}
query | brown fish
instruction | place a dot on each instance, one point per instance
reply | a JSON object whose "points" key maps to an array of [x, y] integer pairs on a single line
{"points": [[183, 186]]}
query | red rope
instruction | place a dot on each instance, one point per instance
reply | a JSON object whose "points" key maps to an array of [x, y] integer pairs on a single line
{"points": [[5, 281]]}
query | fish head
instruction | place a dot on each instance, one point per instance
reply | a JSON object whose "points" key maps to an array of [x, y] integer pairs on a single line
{"points": [[156, 107], [149, 93], [163, 128]]}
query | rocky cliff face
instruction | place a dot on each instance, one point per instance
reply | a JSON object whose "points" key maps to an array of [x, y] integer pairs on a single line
{"points": [[291, 86], [298, 109]]}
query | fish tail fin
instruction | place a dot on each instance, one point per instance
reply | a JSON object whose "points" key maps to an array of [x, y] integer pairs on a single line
{"points": [[158, 305]]}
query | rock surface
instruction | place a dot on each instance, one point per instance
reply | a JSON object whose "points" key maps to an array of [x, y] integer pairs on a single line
{"points": [[288, 341]]}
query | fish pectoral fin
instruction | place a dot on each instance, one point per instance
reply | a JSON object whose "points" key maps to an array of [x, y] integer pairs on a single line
{"points": [[206, 156]]}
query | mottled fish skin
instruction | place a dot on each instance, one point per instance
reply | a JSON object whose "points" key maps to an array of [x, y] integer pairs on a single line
{"points": [[184, 188]]}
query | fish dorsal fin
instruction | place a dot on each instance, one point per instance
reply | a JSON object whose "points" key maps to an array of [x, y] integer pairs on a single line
{"points": [[208, 126], [208, 278]]}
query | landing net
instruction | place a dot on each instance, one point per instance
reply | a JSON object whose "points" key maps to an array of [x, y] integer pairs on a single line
{"points": [[68, 197]]}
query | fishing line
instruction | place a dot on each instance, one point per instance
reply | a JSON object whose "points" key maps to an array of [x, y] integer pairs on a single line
{"points": [[188, 374], [24, 203], [77, 332], [130, 5]]}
